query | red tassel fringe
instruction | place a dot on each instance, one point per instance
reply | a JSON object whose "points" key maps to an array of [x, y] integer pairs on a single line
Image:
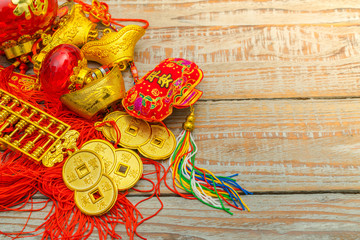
{"points": [[21, 179]]}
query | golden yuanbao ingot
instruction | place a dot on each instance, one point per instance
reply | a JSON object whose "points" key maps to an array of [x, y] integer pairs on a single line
{"points": [[75, 29], [114, 47], [97, 95]]}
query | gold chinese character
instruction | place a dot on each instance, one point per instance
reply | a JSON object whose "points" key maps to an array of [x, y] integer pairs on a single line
{"points": [[152, 76], [106, 186], [99, 148], [101, 205], [78, 161], [133, 173], [88, 180], [85, 201], [93, 163], [71, 177], [125, 157], [26, 6], [165, 80]]}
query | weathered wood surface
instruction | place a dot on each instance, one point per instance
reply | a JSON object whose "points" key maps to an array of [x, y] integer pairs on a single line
{"points": [[278, 217], [280, 107]]}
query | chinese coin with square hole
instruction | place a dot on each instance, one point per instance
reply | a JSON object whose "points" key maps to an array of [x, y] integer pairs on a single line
{"points": [[128, 169]]}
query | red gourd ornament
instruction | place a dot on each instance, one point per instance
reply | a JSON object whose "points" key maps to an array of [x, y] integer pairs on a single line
{"points": [[19, 18], [57, 68]]}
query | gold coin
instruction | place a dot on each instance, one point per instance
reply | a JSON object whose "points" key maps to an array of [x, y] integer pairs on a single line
{"points": [[128, 169], [105, 150], [82, 170], [99, 199], [114, 115], [108, 130], [161, 145], [134, 132]]}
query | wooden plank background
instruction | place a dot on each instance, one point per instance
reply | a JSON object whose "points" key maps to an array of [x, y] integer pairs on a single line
{"points": [[281, 107]]}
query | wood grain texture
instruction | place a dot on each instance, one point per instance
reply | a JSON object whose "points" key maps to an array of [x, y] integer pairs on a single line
{"points": [[257, 49], [279, 145], [318, 216]]}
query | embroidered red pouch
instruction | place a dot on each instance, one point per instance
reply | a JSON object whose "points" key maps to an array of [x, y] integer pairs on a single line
{"points": [[170, 84]]}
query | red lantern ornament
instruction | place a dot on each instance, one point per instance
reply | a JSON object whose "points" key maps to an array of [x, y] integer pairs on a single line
{"points": [[21, 19], [57, 68]]}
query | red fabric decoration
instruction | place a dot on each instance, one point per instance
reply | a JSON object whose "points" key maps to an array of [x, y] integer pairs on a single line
{"points": [[18, 81], [170, 84], [20, 18]]}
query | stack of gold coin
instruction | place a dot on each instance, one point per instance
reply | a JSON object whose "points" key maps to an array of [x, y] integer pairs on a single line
{"points": [[97, 171], [84, 173], [161, 144], [152, 141]]}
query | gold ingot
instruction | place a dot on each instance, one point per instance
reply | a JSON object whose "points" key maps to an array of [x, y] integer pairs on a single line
{"points": [[99, 199], [134, 132], [108, 130], [114, 47], [161, 145], [19, 49], [97, 95], [76, 29], [105, 150], [128, 169], [82, 170]]}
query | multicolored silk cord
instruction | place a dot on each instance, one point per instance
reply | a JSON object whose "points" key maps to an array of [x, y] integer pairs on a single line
{"points": [[211, 190]]}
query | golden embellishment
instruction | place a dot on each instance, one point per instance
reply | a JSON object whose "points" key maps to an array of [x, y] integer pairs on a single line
{"points": [[161, 145], [21, 132], [126, 175], [114, 47], [37, 7], [107, 130], [56, 154], [105, 150], [75, 29], [155, 92], [82, 170], [99, 199], [97, 95], [80, 74]]}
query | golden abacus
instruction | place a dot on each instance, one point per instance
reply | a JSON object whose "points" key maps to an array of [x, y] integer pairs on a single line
{"points": [[28, 129]]}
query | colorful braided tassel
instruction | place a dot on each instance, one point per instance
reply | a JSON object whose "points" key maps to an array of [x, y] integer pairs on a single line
{"points": [[201, 183]]}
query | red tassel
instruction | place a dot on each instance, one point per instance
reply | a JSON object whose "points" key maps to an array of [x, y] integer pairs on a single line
{"points": [[21, 178], [5, 76]]}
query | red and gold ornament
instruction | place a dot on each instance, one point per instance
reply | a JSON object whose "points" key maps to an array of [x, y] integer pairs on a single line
{"points": [[57, 68], [170, 84], [19, 17]]}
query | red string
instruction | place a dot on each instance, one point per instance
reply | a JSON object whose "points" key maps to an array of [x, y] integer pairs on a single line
{"points": [[99, 12], [113, 21], [115, 126], [156, 187]]}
